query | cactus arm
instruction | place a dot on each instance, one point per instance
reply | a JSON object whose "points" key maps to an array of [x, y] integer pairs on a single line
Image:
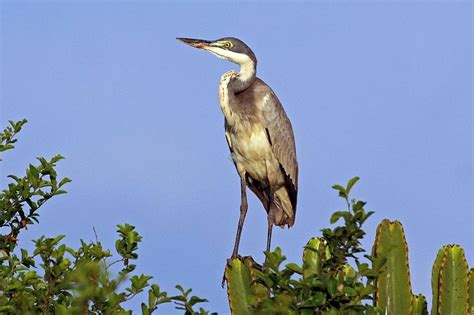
{"points": [[243, 292], [238, 278], [393, 283], [471, 291], [435, 281], [450, 291], [258, 291], [419, 305]]}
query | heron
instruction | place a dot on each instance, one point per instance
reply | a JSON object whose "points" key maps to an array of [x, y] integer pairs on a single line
{"points": [[259, 135]]}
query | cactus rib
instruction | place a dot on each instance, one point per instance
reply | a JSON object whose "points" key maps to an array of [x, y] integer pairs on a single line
{"points": [[450, 282], [419, 305], [394, 294], [242, 291]]}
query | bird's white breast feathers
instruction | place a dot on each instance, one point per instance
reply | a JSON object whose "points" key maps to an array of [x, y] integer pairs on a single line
{"points": [[253, 152]]}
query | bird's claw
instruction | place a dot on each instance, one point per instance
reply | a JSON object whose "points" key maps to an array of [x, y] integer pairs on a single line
{"points": [[228, 263], [226, 77]]}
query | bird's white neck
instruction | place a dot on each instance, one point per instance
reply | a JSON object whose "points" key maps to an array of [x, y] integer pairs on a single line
{"points": [[245, 77], [247, 70], [248, 67]]}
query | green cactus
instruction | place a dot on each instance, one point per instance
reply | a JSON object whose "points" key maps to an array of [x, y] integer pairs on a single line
{"points": [[348, 273], [238, 278], [471, 291], [394, 294], [450, 282], [419, 305], [241, 291]]}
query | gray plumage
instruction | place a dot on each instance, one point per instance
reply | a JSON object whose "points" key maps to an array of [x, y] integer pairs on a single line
{"points": [[259, 111], [259, 135]]}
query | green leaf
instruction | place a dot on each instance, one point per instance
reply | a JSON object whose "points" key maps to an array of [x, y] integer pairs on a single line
{"points": [[5, 147], [295, 268], [351, 183], [8, 309], [338, 214], [194, 300], [56, 158], [57, 239], [349, 291], [311, 257], [145, 310], [64, 181], [332, 286], [342, 190]]}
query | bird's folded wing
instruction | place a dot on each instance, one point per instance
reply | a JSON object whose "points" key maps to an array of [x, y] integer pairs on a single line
{"points": [[280, 134]]}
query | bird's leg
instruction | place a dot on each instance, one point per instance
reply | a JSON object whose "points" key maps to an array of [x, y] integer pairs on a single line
{"points": [[270, 221], [269, 234], [243, 213]]}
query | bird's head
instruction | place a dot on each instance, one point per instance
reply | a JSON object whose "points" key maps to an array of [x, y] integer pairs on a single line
{"points": [[228, 48]]}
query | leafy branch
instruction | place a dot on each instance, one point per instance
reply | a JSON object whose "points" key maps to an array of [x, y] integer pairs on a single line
{"points": [[56, 278], [7, 136]]}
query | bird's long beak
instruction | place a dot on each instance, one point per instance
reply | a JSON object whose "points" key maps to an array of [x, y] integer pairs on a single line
{"points": [[196, 43]]}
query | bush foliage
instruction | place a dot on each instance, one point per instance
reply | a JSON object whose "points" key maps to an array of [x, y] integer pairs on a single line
{"points": [[56, 278]]}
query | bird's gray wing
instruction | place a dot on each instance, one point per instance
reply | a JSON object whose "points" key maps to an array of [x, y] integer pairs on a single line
{"points": [[281, 137]]}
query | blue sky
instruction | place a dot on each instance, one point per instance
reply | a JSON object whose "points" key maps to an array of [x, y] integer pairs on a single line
{"points": [[381, 90]]}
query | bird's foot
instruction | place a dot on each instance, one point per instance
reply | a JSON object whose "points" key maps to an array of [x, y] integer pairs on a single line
{"points": [[223, 280], [230, 73], [226, 77]]}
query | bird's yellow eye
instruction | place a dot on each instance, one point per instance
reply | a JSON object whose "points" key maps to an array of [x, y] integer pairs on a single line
{"points": [[227, 44]]}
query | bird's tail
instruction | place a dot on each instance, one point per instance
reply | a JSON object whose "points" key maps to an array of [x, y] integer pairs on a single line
{"points": [[284, 212], [282, 208]]}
